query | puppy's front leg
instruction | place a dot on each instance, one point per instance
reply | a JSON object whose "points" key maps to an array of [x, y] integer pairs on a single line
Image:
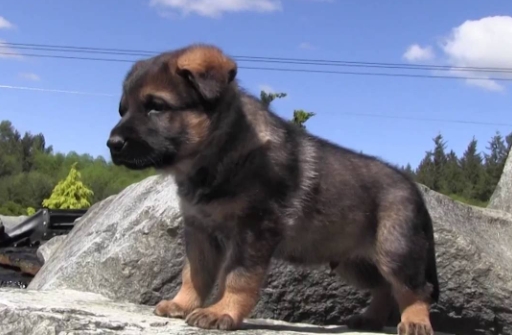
{"points": [[239, 284], [200, 271]]}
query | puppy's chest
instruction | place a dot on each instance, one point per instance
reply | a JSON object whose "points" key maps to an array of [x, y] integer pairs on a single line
{"points": [[220, 211]]}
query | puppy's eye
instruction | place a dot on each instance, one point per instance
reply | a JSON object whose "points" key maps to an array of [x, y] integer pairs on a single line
{"points": [[154, 106]]}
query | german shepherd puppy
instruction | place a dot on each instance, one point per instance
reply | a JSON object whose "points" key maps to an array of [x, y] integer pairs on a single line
{"points": [[253, 186]]}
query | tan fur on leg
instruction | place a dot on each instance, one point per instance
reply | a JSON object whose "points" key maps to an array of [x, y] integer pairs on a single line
{"points": [[186, 300], [238, 297], [198, 276], [415, 314]]}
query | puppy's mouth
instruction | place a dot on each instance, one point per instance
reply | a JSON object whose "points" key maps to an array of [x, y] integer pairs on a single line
{"points": [[144, 162], [138, 156]]}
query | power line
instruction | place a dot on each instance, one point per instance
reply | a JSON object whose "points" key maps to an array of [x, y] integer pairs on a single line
{"points": [[342, 113], [54, 91], [284, 61], [378, 74], [135, 52]]}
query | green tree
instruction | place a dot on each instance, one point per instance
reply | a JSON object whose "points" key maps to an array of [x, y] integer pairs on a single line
{"points": [[29, 170], [10, 150], [425, 172], [508, 139], [11, 208], [451, 180], [494, 164], [267, 97], [300, 117], [70, 193], [408, 170], [472, 172], [439, 162]]}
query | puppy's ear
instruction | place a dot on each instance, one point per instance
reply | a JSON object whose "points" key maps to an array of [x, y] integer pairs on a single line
{"points": [[208, 69]]}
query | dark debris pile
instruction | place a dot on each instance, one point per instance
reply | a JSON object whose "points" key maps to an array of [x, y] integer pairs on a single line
{"points": [[18, 266]]}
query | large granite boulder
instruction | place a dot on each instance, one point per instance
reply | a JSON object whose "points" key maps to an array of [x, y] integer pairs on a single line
{"points": [[73, 312], [124, 247], [128, 248], [502, 196]]}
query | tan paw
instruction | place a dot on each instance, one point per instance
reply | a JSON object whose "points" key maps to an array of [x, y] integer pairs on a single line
{"points": [[169, 308], [414, 328], [207, 318]]}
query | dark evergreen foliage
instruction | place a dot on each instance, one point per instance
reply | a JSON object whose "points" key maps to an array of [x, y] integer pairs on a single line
{"points": [[471, 178]]}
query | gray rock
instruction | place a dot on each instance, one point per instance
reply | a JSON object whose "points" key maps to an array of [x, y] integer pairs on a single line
{"points": [[45, 251], [474, 257], [502, 196], [72, 312], [124, 247], [127, 247], [8, 222]]}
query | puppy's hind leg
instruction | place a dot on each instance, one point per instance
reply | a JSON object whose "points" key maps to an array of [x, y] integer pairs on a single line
{"points": [[365, 275], [403, 255]]}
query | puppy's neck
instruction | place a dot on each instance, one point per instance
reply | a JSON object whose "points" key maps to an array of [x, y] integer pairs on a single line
{"points": [[226, 119], [233, 137]]}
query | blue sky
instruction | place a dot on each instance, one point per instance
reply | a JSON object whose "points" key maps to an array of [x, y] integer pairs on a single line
{"points": [[428, 32]]}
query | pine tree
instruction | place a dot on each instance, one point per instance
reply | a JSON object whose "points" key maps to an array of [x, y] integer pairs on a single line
{"points": [[508, 139], [472, 172], [425, 173], [494, 163], [451, 179], [439, 162], [408, 171], [70, 193]]}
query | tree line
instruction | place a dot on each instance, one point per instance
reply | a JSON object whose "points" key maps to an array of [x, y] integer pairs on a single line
{"points": [[470, 178], [30, 170], [32, 175]]}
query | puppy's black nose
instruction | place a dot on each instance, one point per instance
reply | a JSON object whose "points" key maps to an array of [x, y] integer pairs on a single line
{"points": [[116, 143]]}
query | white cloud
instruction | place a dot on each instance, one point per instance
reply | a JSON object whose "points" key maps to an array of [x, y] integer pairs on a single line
{"points": [[4, 24], [415, 53], [7, 52], [214, 9], [307, 46], [29, 76], [487, 84], [481, 43]]}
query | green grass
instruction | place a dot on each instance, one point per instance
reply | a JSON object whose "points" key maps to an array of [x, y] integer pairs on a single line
{"points": [[472, 202]]}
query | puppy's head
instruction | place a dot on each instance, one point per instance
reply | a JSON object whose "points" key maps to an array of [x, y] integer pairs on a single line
{"points": [[167, 105]]}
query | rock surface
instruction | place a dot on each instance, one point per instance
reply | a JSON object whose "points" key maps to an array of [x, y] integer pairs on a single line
{"points": [[45, 251], [10, 221], [127, 247], [71, 312], [502, 196], [124, 247], [474, 257]]}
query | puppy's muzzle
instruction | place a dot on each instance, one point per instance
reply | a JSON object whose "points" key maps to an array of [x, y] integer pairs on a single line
{"points": [[116, 144]]}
